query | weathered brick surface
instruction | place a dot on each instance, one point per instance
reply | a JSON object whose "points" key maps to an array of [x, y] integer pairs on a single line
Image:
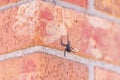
{"points": [[110, 7], [5, 2], [82, 3], [102, 74], [9, 40], [42, 67], [39, 23]]}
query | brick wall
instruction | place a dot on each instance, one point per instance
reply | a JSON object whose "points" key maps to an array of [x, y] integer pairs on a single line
{"points": [[30, 34]]}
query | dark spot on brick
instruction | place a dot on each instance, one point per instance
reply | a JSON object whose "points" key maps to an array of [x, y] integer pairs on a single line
{"points": [[41, 78], [67, 72], [58, 25], [48, 72], [10, 76], [76, 21]]}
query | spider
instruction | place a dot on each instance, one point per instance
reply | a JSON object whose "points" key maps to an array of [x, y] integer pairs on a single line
{"points": [[67, 45]]}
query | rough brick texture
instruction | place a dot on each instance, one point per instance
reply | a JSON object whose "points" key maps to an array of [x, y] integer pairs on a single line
{"points": [[46, 23], [108, 6], [5, 2], [40, 66], [102, 74], [9, 39], [82, 3], [43, 23]]}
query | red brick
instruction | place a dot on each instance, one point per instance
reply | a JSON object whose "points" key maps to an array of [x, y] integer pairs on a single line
{"points": [[102, 74], [40, 66], [92, 36], [5, 2], [110, 7], [82, 3]]}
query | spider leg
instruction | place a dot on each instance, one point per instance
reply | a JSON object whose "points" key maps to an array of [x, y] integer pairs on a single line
{"points": [[65, 52], [74, 50], [62, 43], [67, 36]]}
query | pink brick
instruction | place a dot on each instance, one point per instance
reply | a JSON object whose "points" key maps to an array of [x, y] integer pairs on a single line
{"points": [[102, 74], [42, 66]]}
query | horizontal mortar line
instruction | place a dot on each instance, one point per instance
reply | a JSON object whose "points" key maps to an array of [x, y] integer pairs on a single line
{"points": [[90, 11], [48, 0], [59, 53], [14, 4]]}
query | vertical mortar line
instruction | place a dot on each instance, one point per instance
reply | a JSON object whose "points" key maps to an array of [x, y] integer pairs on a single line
{"points": [[91, 5], [91, 8], [91, 72]]}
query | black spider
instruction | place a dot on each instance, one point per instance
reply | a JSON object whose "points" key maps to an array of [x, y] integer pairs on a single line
{"points": [[67, 45]]}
